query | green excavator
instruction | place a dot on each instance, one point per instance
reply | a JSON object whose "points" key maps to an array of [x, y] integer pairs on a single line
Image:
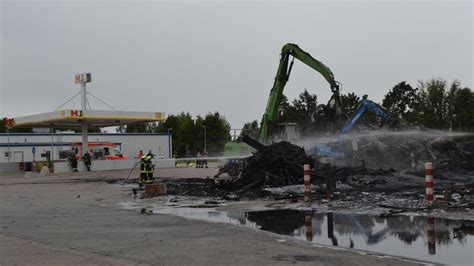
{"points": [[330, 111], [269, 125]]}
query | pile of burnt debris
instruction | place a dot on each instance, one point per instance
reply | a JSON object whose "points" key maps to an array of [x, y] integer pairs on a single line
{"points": [[276, 165], [279, 164]]}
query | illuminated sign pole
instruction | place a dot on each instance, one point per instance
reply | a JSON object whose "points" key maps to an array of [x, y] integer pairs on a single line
{"points": [[82, 79]]}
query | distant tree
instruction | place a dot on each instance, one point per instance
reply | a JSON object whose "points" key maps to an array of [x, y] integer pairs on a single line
{"points": [[349, 103], [188, 134], [287, 112], [441, 107], [460, 107], [400, 101], [464, 110], [182, 128], [299, 111], [432, 104], [217, 132], [251, 129], [3, 129]]}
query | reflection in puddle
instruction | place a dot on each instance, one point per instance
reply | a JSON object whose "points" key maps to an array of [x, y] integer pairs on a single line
{"points": [[450, 241], [308, 222], [423, 238], [431, 236]]}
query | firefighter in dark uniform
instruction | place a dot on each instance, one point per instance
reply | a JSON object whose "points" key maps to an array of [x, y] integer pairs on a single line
{"points": [[146, 170], [86, 158], [73, 161]]}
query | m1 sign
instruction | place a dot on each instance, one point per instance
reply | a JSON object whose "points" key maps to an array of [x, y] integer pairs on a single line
{"points": [[76, 113], [82, 78]]}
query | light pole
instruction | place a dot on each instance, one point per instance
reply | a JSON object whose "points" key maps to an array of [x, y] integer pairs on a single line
{"points": [[450, 128], [170, 143], [8, 143], [205, 138]]}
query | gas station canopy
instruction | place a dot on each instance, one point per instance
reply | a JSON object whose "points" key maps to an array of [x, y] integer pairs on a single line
{"points": [[84, 117], [93, 118]]}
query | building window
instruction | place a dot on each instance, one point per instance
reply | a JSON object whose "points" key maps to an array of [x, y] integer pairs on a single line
{"points": [[7, 154]]}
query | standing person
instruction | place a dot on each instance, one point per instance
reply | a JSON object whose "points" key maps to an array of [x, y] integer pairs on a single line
{"points": [[86, 158], [73, 161], [146, 171], [140, 154], [150, 154], [198, 161], [204, 154], [175, 155]]}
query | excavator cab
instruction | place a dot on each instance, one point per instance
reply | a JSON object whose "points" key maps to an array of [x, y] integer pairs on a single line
{"points": [[286, 132]]}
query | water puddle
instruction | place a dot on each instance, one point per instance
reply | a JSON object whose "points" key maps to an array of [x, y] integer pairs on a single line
{"points": [[417, 237]]}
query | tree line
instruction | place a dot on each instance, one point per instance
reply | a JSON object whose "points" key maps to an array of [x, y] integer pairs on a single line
{"points": [[433, 104], [189, 135]]}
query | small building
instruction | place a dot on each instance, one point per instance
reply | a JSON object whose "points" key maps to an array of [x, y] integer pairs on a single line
{"points": [[22, 147]]}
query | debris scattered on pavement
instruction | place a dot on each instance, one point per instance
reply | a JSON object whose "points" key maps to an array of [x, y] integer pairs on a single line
{"points": [[391, 182]]}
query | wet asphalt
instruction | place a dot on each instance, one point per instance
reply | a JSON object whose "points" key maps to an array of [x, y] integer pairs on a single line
{"points": [[74, 219]]}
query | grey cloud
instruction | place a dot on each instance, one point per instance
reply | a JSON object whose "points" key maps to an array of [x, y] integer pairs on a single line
{"points": [[200, 57]]}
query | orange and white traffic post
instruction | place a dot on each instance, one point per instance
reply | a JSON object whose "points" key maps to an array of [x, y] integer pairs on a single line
{"points": [[307, 183], [429, 184]]}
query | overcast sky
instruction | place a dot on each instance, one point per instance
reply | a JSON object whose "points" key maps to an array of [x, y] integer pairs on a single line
{"points": [[201, 57]]}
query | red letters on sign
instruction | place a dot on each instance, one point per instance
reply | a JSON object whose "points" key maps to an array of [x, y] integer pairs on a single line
{"points": [[8, 122], [75, 113]]}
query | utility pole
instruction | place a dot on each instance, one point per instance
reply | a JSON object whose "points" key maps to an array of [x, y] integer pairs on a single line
{"points": [[170, 143], [205, 138], [8, 143]]}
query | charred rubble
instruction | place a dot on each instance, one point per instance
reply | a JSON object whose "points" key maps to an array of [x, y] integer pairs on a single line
{"points": [[409, 151], [281, 164]]}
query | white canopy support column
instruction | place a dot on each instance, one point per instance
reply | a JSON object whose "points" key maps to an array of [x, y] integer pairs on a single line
{"points": [[84, 78], [83, 97]]}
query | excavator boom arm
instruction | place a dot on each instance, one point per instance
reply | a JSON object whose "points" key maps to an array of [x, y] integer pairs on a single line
{"points": [[317, 65], [283, 73], [366, 105]]}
